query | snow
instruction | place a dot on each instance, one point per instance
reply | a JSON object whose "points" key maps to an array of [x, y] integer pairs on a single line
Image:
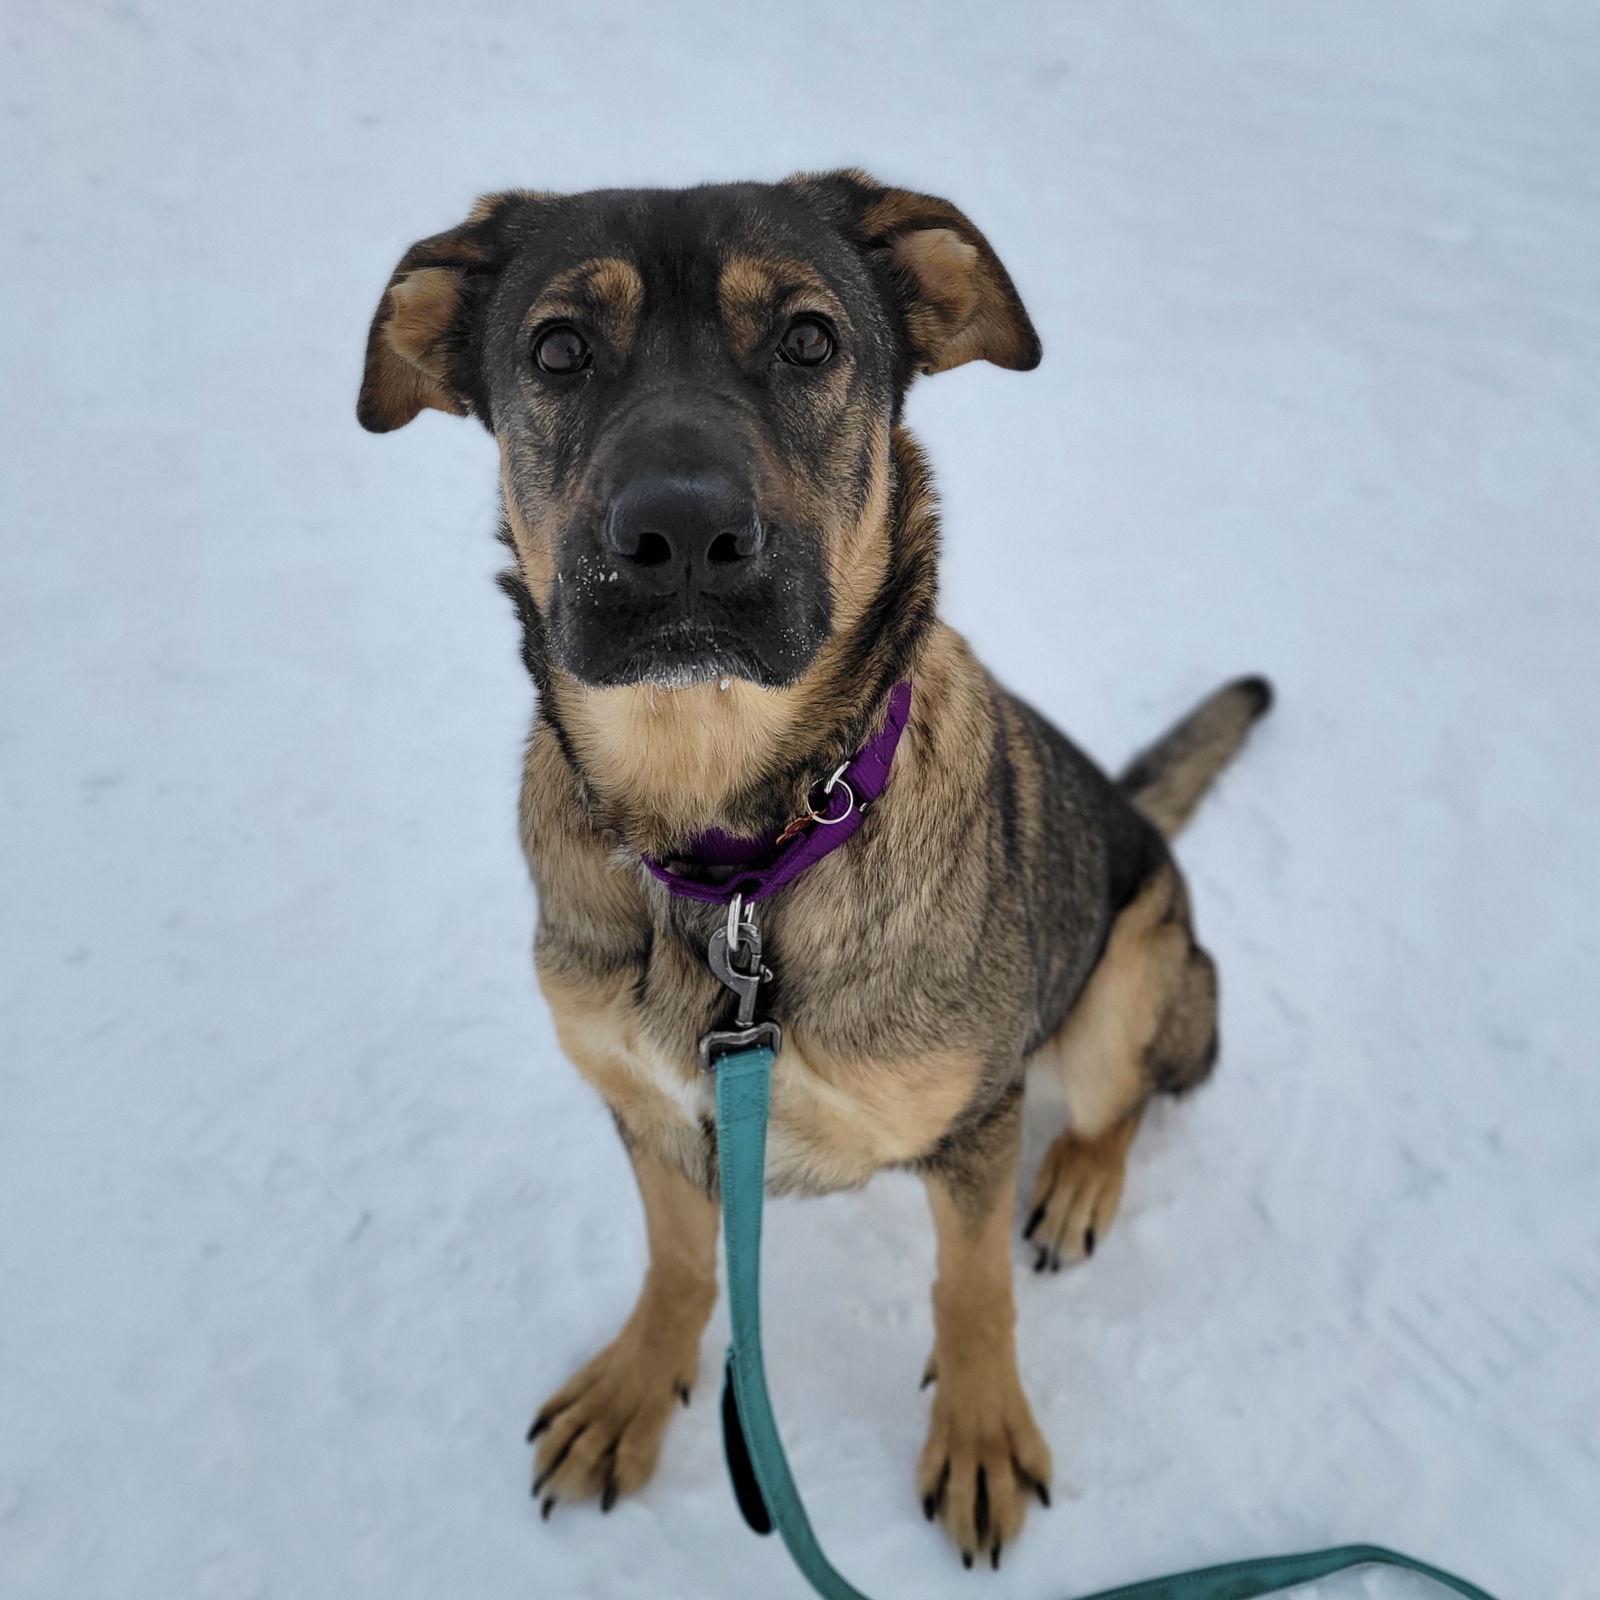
{"points": [[304, 1213]]}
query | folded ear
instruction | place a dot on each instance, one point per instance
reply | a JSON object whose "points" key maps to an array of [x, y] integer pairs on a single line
{"points": [[957, 301], [421, 348]]}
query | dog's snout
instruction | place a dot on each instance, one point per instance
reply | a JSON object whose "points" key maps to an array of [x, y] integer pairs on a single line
{"points": [[685, 534]]}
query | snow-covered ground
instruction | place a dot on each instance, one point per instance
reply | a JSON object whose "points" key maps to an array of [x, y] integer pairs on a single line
{"points": [[301, 1213]]}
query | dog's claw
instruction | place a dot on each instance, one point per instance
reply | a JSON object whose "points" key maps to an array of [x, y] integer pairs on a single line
{"points": [[537, 1426], [1033, 1222], [1028, 1481], [683, 1395], [980, 1509], [994, 1556], [608, 1496], [548, 1506], [936, 1498], [1088, 1242], [1041, 1259]]}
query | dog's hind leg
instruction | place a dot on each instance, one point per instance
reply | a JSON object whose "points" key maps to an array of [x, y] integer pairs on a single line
{"points": [[1145, 1023], [600, 1434]]}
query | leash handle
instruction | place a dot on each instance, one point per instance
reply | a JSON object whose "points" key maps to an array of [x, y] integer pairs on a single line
{"points": [[760, 1471], [1245, 1580]]}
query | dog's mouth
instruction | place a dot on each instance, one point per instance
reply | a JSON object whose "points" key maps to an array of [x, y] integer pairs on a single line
{"points": [[685, 652], [680, 653]]}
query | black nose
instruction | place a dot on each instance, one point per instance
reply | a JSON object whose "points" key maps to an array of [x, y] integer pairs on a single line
{"points": [[686, 534]]}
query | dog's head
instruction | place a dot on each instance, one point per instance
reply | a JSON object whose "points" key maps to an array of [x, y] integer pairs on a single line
{"points": [[693, 392]]}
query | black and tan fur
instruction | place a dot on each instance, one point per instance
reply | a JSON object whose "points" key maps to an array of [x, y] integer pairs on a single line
{"points": [[1004, 900]]}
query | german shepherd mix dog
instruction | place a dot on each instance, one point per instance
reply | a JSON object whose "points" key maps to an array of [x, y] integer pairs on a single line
{"points": [[725, 554]]}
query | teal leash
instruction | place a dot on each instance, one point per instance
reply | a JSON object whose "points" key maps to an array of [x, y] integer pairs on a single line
{"points": [[760, 1471], [756, 1462]]}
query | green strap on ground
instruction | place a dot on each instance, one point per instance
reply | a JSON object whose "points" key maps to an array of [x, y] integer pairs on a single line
{"points": [[757, 1464]]}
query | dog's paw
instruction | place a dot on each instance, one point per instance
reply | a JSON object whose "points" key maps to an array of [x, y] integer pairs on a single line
{"points": [[985, 1459], [1075, 1199], [600, 1433]]}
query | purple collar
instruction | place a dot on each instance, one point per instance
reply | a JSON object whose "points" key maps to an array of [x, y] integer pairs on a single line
{"points": [[772, 862]]}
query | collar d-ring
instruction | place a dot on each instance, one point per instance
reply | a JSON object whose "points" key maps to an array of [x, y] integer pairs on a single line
{"points": [[836, 782]]}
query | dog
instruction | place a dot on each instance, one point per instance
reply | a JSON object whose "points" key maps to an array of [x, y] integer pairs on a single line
{"points": [[724, 559]]}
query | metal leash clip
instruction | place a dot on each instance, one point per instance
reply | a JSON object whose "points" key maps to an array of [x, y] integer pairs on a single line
{"points": [[734, 955]]}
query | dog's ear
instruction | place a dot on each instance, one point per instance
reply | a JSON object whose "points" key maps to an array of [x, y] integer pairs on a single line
{"points": [[423, 344], [956, 300]]}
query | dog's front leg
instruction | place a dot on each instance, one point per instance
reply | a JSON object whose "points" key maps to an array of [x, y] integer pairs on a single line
{"points": [[600, 1434], [985, 1456]]}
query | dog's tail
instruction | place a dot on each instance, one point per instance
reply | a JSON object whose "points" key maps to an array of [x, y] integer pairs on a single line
{"points": [[1167, 780]]}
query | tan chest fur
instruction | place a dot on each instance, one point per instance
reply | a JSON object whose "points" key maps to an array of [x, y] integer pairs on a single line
{"points": [[835, 1120]]}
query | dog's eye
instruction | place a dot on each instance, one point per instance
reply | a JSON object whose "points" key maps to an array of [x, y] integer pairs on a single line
{"points": [[561, 349], [807, 342]]}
